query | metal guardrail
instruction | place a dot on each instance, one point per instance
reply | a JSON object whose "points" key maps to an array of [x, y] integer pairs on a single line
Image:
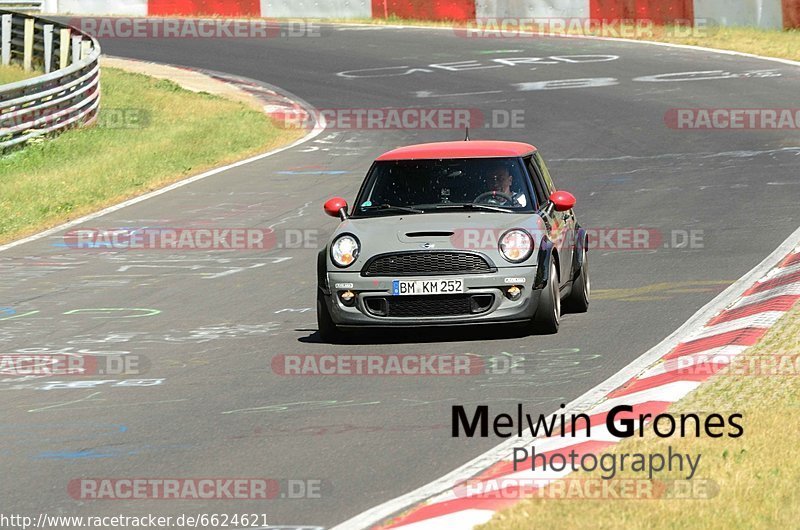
{"points": [[28, 6], [67, 95]]}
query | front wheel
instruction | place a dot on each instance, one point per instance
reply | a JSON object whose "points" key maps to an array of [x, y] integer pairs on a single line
{"points": [[328, 330], [578, 299], [548, 315]]}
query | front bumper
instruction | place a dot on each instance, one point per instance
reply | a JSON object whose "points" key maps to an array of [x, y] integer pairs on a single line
{"points": [[484, 296]]}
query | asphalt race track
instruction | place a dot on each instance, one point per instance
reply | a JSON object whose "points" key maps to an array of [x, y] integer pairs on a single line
{"points": [[210, 323]]}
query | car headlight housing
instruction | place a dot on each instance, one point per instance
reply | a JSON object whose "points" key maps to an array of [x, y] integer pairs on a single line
{"points": [[344, 250], [516, 245]]}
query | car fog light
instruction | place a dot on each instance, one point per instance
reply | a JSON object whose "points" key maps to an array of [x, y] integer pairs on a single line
{"points": [[348, 298], [514, 293]]}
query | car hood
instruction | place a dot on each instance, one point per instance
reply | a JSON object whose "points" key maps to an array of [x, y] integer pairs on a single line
{"points": [[474, 231]]}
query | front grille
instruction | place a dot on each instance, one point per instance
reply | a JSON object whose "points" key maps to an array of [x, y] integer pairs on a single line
{"points": [[413, 263], [429, 306]]}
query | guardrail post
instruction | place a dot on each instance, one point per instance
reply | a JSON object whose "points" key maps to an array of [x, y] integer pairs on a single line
{"points": [[48, 48], [86, 49], [76, 48], [27, 57], [5, 39], [63, 56]]}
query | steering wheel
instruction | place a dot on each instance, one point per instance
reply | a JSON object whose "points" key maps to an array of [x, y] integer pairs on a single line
{"points": [[496, 196]]}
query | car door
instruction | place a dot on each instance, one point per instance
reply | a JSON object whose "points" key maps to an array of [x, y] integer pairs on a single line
{"points": [[561, 224]]}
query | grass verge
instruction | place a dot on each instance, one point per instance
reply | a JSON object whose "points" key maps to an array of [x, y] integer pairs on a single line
{"points": [[769, 43], [756, 474], [150, 133], [766, 42], [13, 73]]}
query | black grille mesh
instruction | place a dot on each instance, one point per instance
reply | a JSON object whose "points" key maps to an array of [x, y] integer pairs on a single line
{"points": [[427, 263], [428, 306]]}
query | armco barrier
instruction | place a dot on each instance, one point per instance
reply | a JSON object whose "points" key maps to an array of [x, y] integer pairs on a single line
{"points": [[68, 94]]}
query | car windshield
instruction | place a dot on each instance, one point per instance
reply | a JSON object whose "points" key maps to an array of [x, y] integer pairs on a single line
{"points": [[423, 186]]}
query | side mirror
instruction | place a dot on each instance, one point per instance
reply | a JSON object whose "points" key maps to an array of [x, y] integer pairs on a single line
{"points": [[563, 201], [336, 207]]}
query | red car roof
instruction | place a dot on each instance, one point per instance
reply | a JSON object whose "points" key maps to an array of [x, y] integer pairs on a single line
{"points": [[449, 150]]}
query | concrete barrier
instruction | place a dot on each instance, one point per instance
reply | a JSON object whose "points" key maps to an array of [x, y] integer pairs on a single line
{"points": [[103, 7], [756, 13], [226, 8], [532, 8], [316, 8]]}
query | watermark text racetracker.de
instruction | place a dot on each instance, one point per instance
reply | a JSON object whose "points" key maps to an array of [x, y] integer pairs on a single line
{"points": [[194, 489], [187, 28], [189, 239], [262, 239], [600, 239], [626, 28], [733, 119], [126, 118], [588, 489], [722, 364], [27, 364], [407, 118], [382, 365]]}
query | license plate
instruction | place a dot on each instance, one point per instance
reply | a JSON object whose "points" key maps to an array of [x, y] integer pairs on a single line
{"points": [[425, 287]]}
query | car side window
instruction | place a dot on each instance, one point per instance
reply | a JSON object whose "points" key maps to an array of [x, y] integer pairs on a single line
{"points": [[542, 195], [548, 180]]}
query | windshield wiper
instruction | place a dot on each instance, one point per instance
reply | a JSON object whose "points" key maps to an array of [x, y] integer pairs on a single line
{"points": [[472, 206], [384, 207]]}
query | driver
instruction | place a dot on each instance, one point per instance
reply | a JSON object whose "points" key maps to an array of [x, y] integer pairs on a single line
{"points": [[500, 181]]}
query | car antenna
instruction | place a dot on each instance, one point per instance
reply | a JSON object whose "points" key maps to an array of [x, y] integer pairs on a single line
{"points": [[467, 137]]}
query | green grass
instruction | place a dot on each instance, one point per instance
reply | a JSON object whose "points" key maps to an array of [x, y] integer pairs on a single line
{"points": [[12, 74], [172, 134], [757, 474], [770, 43], [393, 20]]}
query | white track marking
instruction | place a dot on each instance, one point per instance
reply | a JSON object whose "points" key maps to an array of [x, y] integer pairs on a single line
{"points": [[782, 290], [669, 393], [721, 355], [776, 273], [724, 154], [451, 520], [590, 37], [763, 319]]}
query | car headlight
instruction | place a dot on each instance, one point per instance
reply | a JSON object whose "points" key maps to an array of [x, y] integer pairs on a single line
{"points": [[516, 245], [344, 251]]}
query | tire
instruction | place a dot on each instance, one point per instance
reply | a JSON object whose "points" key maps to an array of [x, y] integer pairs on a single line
{"points": [[578, 299], [328, 331], [548, 315]]}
